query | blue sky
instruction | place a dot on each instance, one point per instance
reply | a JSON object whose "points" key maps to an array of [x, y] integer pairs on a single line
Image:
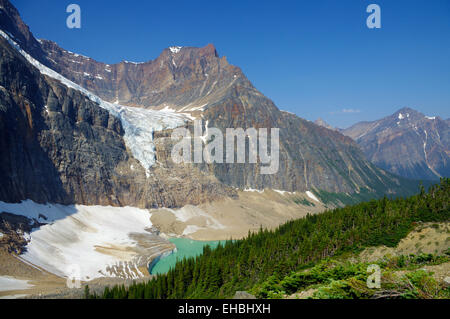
{"points": [[313, 58]]}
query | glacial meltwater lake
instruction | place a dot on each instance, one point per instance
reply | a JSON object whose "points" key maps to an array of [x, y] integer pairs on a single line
{"points": [[185, 248]]}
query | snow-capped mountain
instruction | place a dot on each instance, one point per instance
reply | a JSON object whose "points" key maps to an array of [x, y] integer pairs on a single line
{"points": [[407, 143], [76, 130]]}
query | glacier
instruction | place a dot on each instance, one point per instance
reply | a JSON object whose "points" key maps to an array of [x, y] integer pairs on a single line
{"points": [[139, 124], [95, 239]]}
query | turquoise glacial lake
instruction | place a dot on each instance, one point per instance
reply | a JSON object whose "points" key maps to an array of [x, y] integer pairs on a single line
{"points": [[185, 248]]}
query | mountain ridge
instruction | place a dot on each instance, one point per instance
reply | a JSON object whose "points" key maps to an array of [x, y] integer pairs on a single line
{"points": [[198, 82], [407, 143]]}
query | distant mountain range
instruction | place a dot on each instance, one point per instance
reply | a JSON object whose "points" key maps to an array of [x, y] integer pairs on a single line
{"points": [[406, 143]]}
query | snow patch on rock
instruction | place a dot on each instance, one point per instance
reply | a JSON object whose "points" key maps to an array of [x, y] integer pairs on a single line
{"points": [[94, 239], [253, 190], [8, 283], [175, 49], [312, 196], [283, 192]]}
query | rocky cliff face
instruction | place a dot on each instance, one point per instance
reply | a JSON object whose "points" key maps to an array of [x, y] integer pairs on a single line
{"points": [[182, 78], [62, 147], [199, 82], [48, 129], [11, 22], [310, 156], [406, 143]]}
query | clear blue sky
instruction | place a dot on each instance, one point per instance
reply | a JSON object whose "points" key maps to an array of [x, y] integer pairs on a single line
{"points": [[314, 58]]}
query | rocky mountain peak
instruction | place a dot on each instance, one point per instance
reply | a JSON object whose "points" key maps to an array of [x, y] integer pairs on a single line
{"points": [[409, 116], [321, 122], [407, 110], [407, 143], [179, 78], [408, 113], [210, 49], [12, 24]]}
